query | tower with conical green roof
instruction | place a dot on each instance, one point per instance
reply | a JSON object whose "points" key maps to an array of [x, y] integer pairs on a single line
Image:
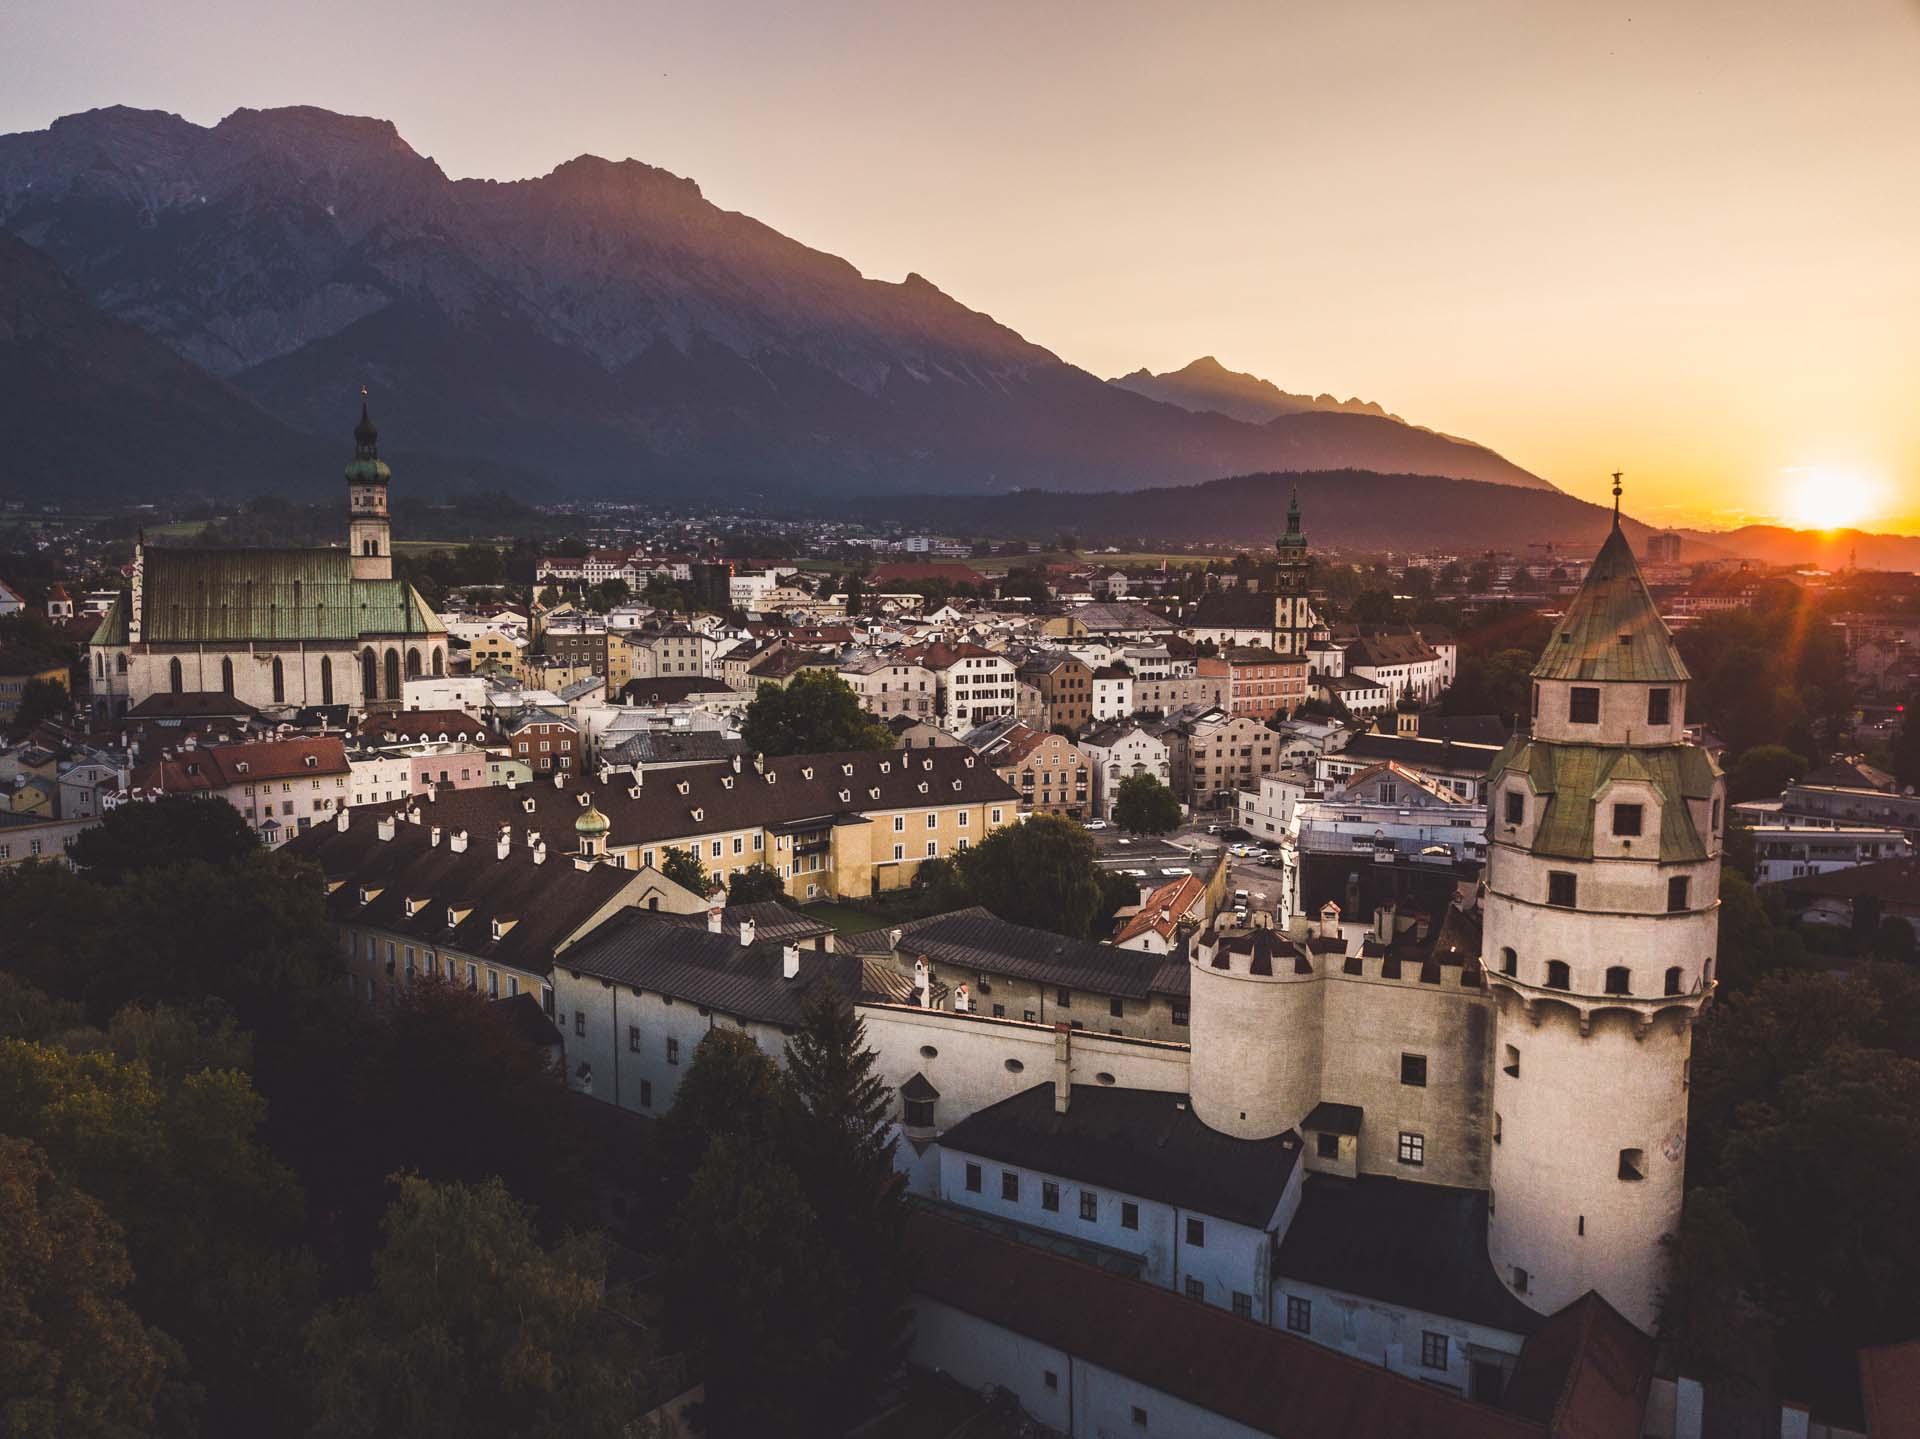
{"points": [[1292, 610], [369, 532], [1601, 918]]}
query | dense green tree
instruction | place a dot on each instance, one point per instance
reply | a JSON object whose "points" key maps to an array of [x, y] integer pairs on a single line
{"points": [[1710, 1316], [1040, 873], [757, 1298], [684, 868], [816, 713], [160, 834], [473, 1328], [28, 1012], [1143, 805], [732, 1086], [755, 884], [40, 700], [1762, 772], [1500, 683], [1893, 940], [76, 1361], [1754, 939]]}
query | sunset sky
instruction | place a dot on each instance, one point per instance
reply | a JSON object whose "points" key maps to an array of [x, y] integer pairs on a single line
{"points": [[1678, 239]]}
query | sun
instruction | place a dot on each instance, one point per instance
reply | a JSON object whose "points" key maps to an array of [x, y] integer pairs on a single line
{"points": [[1817, 497]]}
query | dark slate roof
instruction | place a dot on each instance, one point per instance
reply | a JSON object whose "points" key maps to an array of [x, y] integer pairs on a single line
{"points": [[1584, 1373], [1137, 1141], [546, 902], [1233, 609], [527, 1021], [1888, 880], [801, 788], [663, 747], [1466, 729], [670, 689], [771, 920], [1439, 755], [1419, 1245], [919, 1087], [191, 704], [1327, 1117], [1256, 1375], [647, 950], [1612, 629], [977, 939]]}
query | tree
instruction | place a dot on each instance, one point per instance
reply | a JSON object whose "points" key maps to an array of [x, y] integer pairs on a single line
{"points": [[40, 700], [755, 884], [816, 713], [1906, 744], [856, 595], [684, 868], [1762, 772], [756, 1298], [1893, 940], [473, 1328], [1039, 873], [1143, 805], [1718, 1329], [162, 833], [844, 1157], [549, 597], [76, 1362], [1500, 684]]}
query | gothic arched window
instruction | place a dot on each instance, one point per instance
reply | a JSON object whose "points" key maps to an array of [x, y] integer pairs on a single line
{"points": [[393, 674], [413, 664], [326, 679], [369, 676], [175, 681], [279, 682], [439, 662], [226, 675]]}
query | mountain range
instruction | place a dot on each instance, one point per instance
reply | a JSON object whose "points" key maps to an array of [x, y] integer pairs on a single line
{"points": [[197, 307]]}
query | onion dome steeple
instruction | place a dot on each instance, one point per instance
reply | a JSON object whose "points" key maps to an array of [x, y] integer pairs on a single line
{"points": [[367, 467]]}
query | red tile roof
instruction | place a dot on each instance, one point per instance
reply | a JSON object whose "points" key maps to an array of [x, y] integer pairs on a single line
{"points": [[1890, 1384], [1243, 1370], [219, 766]]}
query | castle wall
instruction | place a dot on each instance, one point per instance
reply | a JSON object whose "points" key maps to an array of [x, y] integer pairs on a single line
{"points": [[1256, 1045]]}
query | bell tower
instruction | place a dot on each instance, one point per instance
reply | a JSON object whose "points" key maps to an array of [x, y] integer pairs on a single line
{"points": [[369, 533], [1292, 610], [1601, 917]]}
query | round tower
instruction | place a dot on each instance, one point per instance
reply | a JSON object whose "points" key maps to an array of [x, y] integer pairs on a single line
{"points": [[1255, 1014], [1601, 916], [369, 534]]}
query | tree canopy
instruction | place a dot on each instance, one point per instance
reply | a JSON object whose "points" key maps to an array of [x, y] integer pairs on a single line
{"points": [[816, 713], [1143, 805]]}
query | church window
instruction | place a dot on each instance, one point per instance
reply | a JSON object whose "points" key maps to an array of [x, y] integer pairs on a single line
{"points": [[973, 1179], [1619, 979], [1129, 1214], [226, 675], [1628, 819], [326, 679], [1562, 889], [1659, 706], [393, 674], [439, 662], [1677, 893], [279, 681], [413, 664], [175, 682], [1673, 980], [120, 663], [1583, 705], [1633, 1164], [1520, 1278], [369, 676], [1558, 975]]}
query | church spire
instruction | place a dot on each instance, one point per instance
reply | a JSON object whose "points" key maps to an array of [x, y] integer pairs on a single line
{"points": [[366, 435], [1616, 499]]}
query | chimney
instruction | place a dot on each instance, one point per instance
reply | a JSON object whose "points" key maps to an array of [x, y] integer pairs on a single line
{"points": [[1383, 924], [385, 827], [962, 1000], [457, 842], [339, 819], [504, 845], [746, 932], [893, 939], [1062, 1067], [433, 836], [922, 983], [533, 837], [790, 961], [540, 853], [716, 916]]}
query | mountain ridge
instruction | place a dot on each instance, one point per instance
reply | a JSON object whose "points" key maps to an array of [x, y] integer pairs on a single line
{"points": [[602, 329], [1206, 384]]}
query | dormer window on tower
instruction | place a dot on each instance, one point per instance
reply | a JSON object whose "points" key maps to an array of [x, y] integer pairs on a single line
{"points": [[1583, 705]]}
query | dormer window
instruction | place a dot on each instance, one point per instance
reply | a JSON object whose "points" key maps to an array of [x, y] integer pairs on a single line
{"points": [[806, 772], [922, 786], [726, 781], [846, 769], [367, 895], [527, 804], [698, 815], [681, 787], [846, 796], [313, 761], [1628, 819]]}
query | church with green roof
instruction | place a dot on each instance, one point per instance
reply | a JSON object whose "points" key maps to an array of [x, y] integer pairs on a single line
{"points": [[279, 629]]}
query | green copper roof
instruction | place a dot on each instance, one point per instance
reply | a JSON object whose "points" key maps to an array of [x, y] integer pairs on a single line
{"points": [[1573, 776], [1612, 631], [112, 629], [194, 595]]}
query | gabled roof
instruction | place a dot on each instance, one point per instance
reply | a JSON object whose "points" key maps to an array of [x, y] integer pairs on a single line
{"points": [[1612, 630], [1164, 909], [190, 704], [1584, 1373], [1421, 1246], [398, 726], [978, 940], [1234, 609], [192, 595], [1144, 1142], [210, 767], [770, 918], [1250, 1373], [650, 951]]}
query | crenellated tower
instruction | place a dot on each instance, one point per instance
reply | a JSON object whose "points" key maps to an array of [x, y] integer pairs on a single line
{"points": [[369, 532], [1601, 917]]}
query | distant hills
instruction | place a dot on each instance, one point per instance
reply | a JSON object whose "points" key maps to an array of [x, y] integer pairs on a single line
{"points": [[1346, 509], [601, 331], [1816, 549], [1206, 384]]}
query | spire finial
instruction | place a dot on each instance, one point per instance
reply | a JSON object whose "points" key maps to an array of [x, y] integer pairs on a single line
{"points": [[366, 437], [1616, 499]]}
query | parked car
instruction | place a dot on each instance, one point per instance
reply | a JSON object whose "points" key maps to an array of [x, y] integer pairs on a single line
{"points": [[1096, 824]]}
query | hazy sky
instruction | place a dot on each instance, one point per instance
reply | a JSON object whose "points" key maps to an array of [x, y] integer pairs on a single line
{"points": [[1680, 238]]}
